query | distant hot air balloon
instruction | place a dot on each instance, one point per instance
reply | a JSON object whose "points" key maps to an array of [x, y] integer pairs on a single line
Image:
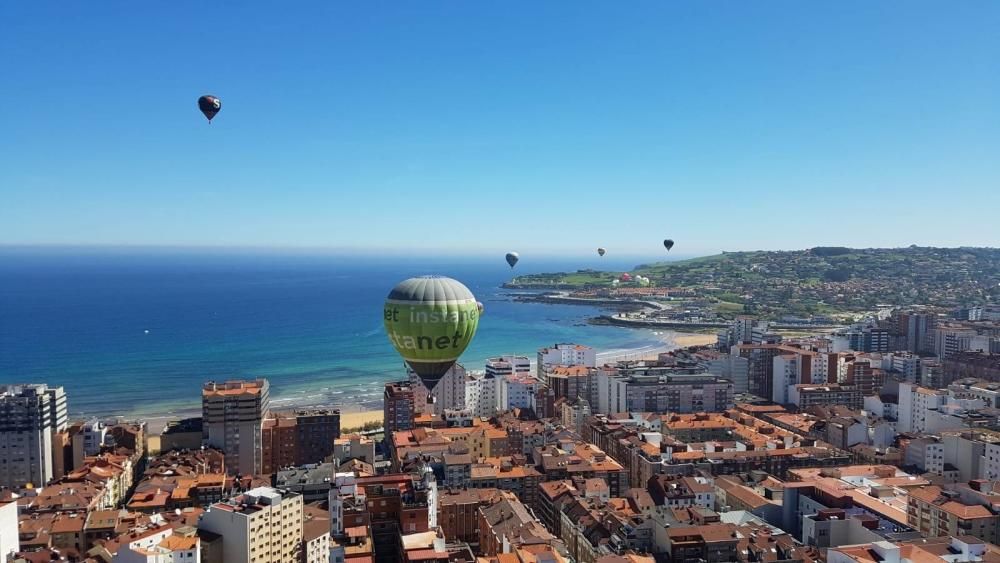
{"points": [[480, 308], [209, 105], [669, 244], [626, 277], [430, 321], [512, 258], [601, 251]]}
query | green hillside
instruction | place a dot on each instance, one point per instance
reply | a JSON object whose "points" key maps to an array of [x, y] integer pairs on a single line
{"points": [[818, 280]]}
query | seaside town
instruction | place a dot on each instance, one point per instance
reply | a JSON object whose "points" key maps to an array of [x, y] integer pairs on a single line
{"points": [[500, 282], [877, 441]]}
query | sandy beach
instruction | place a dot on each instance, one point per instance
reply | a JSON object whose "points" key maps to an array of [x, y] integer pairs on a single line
{"points": [[685, 340], [358, 419]]}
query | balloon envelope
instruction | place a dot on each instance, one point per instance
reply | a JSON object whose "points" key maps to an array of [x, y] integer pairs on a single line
{"points": [[209, 105], [669, 244], [512, 258], [601, 251], [430, 321]]}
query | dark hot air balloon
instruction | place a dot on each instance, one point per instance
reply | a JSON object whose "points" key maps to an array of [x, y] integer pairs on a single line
{"points": [[512, 258], [209, 105], [669, 244], [601, 251], [430, 321]]}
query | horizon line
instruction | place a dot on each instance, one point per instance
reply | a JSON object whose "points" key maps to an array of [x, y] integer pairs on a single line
{"points": [[410, 250]]}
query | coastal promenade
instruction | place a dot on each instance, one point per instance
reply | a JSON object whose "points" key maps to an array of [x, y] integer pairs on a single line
{"points": [[689, 325]]}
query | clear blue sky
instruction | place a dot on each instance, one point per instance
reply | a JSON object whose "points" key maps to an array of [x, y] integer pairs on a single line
{"points": [[536, 126]]}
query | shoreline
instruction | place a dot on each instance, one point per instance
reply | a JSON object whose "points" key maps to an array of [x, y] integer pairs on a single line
{"points": [[356, 415], [348, 418]]}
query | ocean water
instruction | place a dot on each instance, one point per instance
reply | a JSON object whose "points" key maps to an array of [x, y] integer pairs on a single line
{"points": [[133, 332]]}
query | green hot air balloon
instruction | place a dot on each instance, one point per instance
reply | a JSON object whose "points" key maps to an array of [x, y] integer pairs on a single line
{"points": [[430, 321]]}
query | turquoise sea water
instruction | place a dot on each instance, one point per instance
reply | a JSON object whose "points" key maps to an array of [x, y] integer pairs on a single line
{"points": [[311, 324]]}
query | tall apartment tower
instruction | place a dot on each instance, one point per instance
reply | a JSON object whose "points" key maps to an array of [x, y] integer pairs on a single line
{"points": [[262, 525], [29, 417], [398, 404], [232, 416], [449, 393], [564, 355]]}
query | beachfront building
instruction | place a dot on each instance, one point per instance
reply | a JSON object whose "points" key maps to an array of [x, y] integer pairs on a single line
{"points": [[449, 393], [399, 407], [29, 417], [481, 392], [263, 525], [233, 414], [564, 355], [505, 365], [91, 438], [518, 391]]}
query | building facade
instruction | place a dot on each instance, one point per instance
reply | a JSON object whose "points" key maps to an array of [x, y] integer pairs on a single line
{"points": [[399, 407], [263, 525], [564, 355], [30, 415], [233, 414]]}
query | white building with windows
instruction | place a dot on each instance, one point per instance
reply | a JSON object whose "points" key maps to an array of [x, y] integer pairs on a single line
{"points": [[9, 539], [93, 434], [518, 391], [160, 544], [263, 525], [449, 393], [914, 403], [505, 365], [565, 355], [29, 416], [481, 392], [990, 462]]}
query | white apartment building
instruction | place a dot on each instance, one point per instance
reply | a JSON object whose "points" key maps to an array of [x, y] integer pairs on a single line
{"points": [[990, 462], [906, 364], [161, 544], [232, 417], [950, 341], [679, 393], [263, 525], [574, 413], [927, 454], [565, 355], [317, 545], [914, 402], [518, 390], [733, 367], [876, 406], [786, 374], [481, 393], [9, 539], [29, 416], [449, 393], [92, 436], [505, 365], [986, 391], [805, 367]]}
